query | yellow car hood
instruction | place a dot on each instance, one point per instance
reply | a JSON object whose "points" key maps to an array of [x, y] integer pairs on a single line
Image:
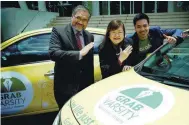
{"points": [[129, 99]]}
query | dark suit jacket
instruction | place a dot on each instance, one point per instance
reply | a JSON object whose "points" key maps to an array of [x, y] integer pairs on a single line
{"points": [[71, 74]]}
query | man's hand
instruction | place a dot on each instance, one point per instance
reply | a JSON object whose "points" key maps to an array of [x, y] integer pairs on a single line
{"points": [[170, 39], [86, 49], [125, 53]]}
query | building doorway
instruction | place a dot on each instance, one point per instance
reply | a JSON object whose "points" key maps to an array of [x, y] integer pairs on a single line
{"points": [[149, 6], [132, 7], [162, 6], [114, 7], [125, 7]]}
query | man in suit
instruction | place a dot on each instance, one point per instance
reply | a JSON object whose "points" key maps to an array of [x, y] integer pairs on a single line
{"points": [[72, 50]]}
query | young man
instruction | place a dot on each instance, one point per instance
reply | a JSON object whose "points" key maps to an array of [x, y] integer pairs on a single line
{"points": [[71, 49], [146, 39]]}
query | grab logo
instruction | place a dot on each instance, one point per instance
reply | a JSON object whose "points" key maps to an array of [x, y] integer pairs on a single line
{"points": [[16, 92], [134, 105]]}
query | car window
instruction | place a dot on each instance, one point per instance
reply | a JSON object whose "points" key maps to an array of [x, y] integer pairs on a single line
{"points": [[29, 50], [97, 41], [35, 44], [170, 62]]}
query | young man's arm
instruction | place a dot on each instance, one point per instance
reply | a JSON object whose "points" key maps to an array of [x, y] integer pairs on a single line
{"points": [[176, 33], [172, 32]]}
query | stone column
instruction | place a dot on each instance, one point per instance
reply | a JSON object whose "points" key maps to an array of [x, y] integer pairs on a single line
{"points": [[170, 6], [155, 7], [95, 8], [23, 5], [143, 6], [42, 6]]}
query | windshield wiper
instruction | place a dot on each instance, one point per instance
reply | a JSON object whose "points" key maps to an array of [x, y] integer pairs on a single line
{"points": [[175, 80]]}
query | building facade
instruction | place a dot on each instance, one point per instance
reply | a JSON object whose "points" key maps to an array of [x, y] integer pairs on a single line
{"points": [[64, 8]]}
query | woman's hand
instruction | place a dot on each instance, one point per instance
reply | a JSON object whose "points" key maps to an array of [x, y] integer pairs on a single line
{"points": [[126, 68], [125, 53]]}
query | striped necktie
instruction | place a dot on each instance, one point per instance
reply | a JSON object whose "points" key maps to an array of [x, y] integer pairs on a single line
{"points": [[78, 40]]}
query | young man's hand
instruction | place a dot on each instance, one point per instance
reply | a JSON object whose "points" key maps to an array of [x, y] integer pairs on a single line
{"points": [[170, 39], [184, 35]]}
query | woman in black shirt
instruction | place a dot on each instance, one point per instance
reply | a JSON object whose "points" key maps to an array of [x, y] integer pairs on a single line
{"points": [[114, 50]]}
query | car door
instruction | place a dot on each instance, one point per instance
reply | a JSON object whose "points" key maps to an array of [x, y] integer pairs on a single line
{"points": [[98, 38], [27, 76]]}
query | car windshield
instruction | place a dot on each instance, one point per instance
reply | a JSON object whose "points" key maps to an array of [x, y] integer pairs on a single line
{"points": [[169, 64]]}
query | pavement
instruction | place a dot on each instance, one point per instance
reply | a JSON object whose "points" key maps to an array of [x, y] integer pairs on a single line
{"points": [[40, 119]]}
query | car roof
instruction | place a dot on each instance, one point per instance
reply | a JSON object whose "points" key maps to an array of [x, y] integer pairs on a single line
{"points": [[41, 31], [48, 30]]}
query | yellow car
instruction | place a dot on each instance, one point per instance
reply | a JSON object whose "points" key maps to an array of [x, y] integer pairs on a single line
{"points": [[27, 73], [154, 92]]}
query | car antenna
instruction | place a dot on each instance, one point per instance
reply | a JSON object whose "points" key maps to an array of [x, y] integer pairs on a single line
{"points": [[29, 22]]}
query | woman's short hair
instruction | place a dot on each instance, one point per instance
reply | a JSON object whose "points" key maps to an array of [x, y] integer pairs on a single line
{"points": [[115, 24]]}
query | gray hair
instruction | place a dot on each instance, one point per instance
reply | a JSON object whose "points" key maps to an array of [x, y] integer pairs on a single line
{"points": [[81, 7]]}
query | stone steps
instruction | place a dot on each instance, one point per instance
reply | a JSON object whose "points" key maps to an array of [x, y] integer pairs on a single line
{"points": [[164, 20]]}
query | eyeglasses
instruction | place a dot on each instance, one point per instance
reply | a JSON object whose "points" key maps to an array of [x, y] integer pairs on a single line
{"points": [[114, 33], [80, 19]]}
